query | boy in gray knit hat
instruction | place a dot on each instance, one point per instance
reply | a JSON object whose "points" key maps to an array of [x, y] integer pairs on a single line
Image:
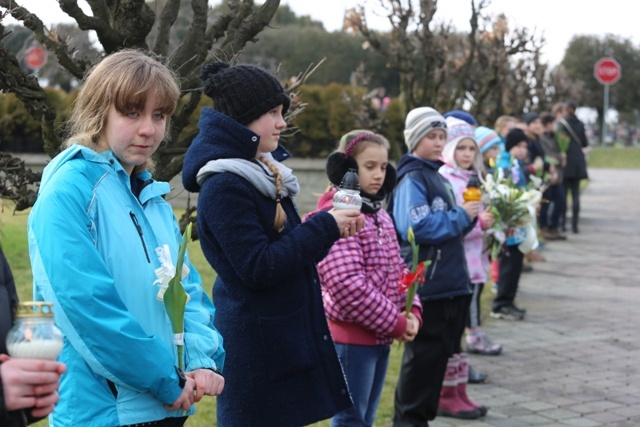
{"points": [[424, 202]]}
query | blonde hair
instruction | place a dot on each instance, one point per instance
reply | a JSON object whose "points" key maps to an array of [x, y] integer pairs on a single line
{"points": [[366, 138], [502, 122], [281, 216], [123, 79]]}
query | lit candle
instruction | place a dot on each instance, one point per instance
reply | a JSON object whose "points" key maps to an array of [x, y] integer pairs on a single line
{"points": [[34, 336], [348, 195]]}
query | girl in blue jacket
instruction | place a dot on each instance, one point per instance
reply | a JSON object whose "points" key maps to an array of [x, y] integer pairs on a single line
{"points": [[282, 367], [95, 236]]}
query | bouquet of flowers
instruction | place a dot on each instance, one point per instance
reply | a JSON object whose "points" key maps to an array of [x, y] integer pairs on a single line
{"points": [[562, 140], [514, 211], [415, 277]]}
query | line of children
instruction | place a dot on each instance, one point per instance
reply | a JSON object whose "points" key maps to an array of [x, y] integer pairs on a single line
{"points": [[360, 277]]}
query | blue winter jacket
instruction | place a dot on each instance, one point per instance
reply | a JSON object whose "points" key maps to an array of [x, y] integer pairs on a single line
{"points": [[424, 200], [92, 245], [282, 368]]}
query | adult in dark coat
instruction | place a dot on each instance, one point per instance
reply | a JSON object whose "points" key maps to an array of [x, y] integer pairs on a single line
{"points": [[17, 376], [282, 368], [575, 169]]}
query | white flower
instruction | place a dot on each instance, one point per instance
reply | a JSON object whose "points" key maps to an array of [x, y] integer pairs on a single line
{"points": [[166, 271]]}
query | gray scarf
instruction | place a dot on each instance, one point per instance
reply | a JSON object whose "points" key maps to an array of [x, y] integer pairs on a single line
{"points": [[255, 172]]}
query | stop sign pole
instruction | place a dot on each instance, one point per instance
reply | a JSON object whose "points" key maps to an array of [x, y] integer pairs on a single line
{"points": [[607, 72]]}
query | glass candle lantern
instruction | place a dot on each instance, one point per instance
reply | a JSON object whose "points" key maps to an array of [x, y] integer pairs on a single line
{"points": [[33, 335], [348, 194], [472, 193]]}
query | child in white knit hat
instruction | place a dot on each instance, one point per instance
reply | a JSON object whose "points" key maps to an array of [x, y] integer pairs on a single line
{"points": [[424, 202]]}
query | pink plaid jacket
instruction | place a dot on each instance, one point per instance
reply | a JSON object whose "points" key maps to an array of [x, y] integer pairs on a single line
{"points": [[359, 278]]}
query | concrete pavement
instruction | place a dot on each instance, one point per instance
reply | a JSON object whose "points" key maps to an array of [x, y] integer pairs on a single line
{"points": [[575, 359]]}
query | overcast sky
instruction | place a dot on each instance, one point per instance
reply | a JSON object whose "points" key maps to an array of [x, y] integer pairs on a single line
{"points": [[558, 20]]}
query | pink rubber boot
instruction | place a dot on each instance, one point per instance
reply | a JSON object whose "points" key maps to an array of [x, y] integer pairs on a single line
{"points": [[451, 404], [463, 375]]}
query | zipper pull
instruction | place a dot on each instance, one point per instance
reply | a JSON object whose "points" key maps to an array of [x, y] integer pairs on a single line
{"points": [[139, 229]]}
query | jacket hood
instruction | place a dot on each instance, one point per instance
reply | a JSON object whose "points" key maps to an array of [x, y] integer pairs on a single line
{"points": [[220, 137], [70, 153], [409, 162]]}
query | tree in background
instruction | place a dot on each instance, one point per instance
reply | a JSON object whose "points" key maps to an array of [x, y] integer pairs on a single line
{"points": [[491, 70], [128, 24]]}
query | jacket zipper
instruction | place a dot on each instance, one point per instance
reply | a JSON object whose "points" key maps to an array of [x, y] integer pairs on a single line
{"points": [[137, 225], [435, 264]]}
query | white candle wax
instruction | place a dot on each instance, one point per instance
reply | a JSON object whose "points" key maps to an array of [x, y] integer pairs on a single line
{"points": [[341, 206], [37, 349]]}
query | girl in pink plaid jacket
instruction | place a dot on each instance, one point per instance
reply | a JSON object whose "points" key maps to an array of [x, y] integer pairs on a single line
{"points": [[360, 278]]}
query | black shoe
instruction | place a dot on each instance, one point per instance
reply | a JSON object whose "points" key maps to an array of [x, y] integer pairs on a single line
{"points": [[521, 310], [476, 377], [527, 268], [508, 312], [461, 415]]}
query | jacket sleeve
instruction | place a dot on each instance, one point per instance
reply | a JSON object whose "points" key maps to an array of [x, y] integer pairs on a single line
{"points": [[87, 307], [201, 337], [352, 291], [411, 209], [227, 213]]}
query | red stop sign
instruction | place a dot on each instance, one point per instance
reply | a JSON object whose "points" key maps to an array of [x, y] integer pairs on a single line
{"points": [[35, 57], [607, 71]]}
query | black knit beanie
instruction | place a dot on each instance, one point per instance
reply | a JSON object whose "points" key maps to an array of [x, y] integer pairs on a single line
{"points": [[242, 92], [514, 137]]}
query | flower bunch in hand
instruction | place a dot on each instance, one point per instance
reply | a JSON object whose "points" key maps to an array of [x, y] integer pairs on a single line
{"points": [[413, 278], [514, 211]]}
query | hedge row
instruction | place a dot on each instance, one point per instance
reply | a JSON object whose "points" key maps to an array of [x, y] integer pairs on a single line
{"points": [[330, 112]]}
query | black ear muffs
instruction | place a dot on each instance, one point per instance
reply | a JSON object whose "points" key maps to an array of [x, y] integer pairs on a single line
{"points": [[337, 166], [390, 180]]}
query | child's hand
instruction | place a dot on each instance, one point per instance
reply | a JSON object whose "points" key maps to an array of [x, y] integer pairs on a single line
{"points": [[186, 398], [486, 219], [472, 209], [207, 383], [350, 222], [30, 383], [411, 330]]}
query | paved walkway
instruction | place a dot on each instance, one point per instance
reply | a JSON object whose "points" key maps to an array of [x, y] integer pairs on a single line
{"points": [[575, 359]]}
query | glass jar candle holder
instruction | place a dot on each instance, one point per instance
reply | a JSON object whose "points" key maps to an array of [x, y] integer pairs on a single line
{"points": [[33, 335], [348, 194]]}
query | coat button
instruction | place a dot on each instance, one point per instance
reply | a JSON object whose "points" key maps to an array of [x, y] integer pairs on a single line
{"points": [[254, 138], [326, 337], [343, 392]]}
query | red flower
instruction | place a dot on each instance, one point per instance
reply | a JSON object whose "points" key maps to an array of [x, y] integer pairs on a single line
{"points": [[411, 278]]}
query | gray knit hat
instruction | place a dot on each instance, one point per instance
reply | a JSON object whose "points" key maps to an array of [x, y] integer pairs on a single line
{"points": [[242, 92], [419, 122]]}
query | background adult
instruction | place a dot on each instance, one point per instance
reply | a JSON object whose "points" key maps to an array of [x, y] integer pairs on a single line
{"points": [[575, 169]]}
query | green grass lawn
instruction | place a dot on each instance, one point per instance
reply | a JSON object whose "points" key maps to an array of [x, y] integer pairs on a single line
{"points": [[14, 243], [616, 157]]}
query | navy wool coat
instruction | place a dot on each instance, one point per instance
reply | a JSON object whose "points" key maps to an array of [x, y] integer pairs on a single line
{"points": [[281, 367]]}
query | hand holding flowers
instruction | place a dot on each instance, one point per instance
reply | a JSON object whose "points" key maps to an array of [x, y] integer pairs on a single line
{"points": [[514, 211]]}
